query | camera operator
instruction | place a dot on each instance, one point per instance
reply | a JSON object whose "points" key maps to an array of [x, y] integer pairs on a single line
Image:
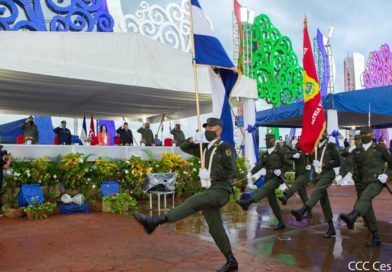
{"points": [[5, 163]]}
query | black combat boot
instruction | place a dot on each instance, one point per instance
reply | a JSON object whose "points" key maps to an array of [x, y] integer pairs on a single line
{"points": [[245, 203], [349, 218], [331, 230], [375, 241], [280, 225], [149, 223], [299, 214], [230, 265], [283, 199]]}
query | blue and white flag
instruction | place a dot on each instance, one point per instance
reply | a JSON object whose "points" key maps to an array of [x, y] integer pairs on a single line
{"points": [[209, 51], [83, 133]]}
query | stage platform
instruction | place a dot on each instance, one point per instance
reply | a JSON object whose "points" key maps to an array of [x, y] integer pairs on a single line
{"points": [[31, 152]]}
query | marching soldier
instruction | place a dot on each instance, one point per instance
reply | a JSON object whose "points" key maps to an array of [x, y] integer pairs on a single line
{"points": [[220, 160], [302, 169], [327, 159], [368, 173], [147, 135], [272, 165]]}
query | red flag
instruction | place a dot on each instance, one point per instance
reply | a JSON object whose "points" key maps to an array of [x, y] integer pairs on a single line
{"points": [[313, 122], [92, 127]]}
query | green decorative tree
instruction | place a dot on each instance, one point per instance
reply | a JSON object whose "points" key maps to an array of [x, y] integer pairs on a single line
{"points": [[275, 65]]}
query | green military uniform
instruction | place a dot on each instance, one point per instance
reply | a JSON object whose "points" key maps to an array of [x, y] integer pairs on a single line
{"points": [[368, 164], [178, 135], [301, 178], [30, 130], [223, 171], [271, 161], [147, 135], [222, 158], [330, 159]]}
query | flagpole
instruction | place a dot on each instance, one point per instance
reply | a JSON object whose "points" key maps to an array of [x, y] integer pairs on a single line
{"points": [[196, 83]]}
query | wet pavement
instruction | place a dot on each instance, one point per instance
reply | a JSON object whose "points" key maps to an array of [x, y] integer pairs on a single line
{"points": [[106, 242]]}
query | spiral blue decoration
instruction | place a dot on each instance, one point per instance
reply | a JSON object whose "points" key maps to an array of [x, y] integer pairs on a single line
{"points": [[74, 15]]}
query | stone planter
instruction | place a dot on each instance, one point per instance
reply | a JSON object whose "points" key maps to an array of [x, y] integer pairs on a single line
{"points": [[14, 213]]}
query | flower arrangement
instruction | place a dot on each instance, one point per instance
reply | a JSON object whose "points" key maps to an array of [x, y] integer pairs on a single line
{"points": [[104, 170], [74, 170], [119, 203], [39, 211]]}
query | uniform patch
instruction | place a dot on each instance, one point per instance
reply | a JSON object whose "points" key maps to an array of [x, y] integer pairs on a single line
{"points": [[228, 152]]}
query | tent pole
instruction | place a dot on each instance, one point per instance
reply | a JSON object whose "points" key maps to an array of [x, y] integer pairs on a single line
{"points": [[196, 84]]}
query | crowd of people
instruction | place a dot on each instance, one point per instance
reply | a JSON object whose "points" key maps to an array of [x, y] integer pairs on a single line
{"points": [[123, 133]]}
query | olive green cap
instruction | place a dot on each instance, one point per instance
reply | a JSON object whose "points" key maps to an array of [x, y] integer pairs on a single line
{"points": [[213, 122]]}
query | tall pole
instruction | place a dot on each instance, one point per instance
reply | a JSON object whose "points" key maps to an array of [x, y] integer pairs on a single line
{"points": [[196, 84]]}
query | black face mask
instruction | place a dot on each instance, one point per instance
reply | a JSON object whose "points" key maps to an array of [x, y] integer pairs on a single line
{"points": [[210, 135], [366, 139], [147, 127]]}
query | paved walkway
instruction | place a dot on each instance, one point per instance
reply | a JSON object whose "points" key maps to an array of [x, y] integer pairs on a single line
{"points": [[107, 242]]}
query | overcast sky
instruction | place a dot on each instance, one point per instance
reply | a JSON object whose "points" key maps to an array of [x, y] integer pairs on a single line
{"points": [[359, 25]]}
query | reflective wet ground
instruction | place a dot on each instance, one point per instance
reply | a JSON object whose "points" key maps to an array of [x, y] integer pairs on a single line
{"points": [[301, 244]]}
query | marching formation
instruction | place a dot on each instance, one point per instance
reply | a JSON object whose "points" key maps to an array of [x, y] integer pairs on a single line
{"points": [[370, 165]]}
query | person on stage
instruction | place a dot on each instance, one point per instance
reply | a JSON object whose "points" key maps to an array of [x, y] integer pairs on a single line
{"points": [[327, 159], [63, 134], [302, 172], [178, 134], [103, 136], [370, 176], [30, 131], [126, 136], [147, 135], [273, 164], [216, 179]]}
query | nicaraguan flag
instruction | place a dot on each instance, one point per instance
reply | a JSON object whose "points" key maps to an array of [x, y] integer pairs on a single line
{"points": [[209, 51], [83, 133]]}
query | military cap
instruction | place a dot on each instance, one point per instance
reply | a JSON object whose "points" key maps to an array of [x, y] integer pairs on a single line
{"points": [[269, 136], [63, 122], [213, 122], [30, 117], [366, 130]]}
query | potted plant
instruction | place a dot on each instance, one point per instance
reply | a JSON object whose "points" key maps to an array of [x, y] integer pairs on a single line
{"points": [[119, 203], [39, 211]]}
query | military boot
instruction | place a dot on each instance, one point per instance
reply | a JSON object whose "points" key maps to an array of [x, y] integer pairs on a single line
{"points": [[283, 199], [299, 214], [149, 223], [230, 265], [280, 225], [331, 230], [350, 218], [245, 203], [375, 241]]}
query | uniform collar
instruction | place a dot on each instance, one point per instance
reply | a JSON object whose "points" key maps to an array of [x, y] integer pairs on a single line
{"points": [[366, 146], [210, 144], [271, 149]]}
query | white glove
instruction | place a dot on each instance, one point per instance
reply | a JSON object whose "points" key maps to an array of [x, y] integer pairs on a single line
{"points": [[262, 172], [204, 173], [318, 170], [316, 164], [338, 179], [296, 156], [205, 183], [383, 178], [351, 149], [198, 138], [308, 167], [250, 187], [277, 172]]}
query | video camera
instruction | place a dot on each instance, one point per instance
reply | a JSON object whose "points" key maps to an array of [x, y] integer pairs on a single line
{"points": [[3, 152]]}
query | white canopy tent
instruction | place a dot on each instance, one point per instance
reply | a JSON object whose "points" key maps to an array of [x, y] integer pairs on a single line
{"points": [[103, 74]]}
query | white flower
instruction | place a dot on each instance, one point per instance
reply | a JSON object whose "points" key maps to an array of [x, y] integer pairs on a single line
{"points": [[86, 170], [126, 172], [54, 176], [39, 181], [88, 179], [191, 163], [127, 162], [94, 186], [185, 172], [80, 160], [194, 170]]}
